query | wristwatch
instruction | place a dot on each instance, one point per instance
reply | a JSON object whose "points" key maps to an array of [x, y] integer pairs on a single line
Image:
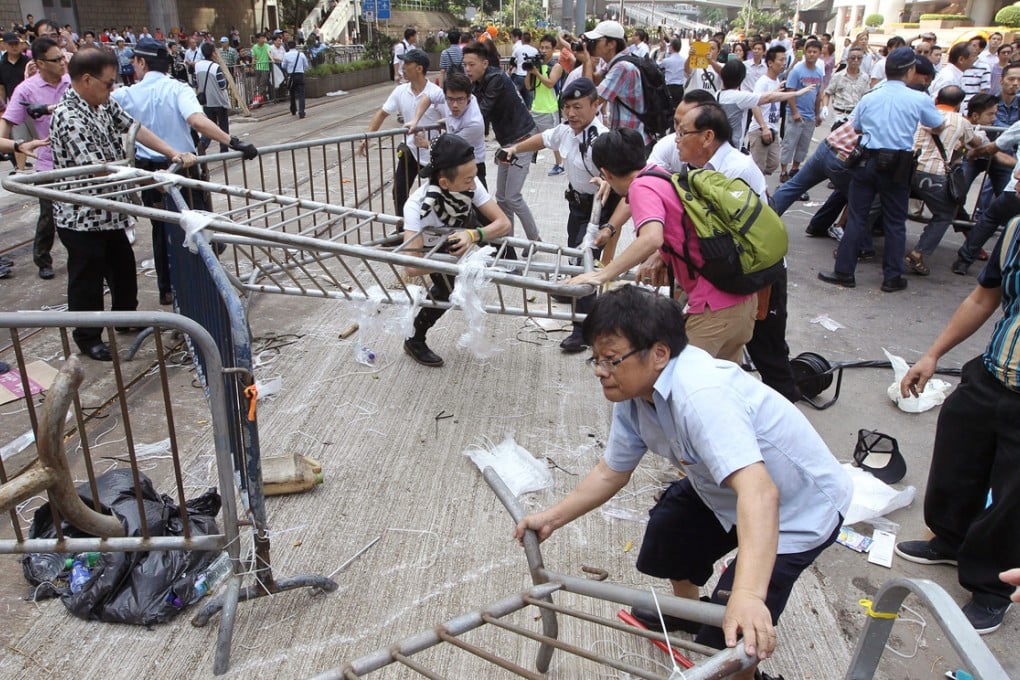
{"points": [[17, 146], [610, 227]]}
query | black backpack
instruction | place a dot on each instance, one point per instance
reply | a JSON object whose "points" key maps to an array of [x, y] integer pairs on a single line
{"points": [[454, 67], [658, 114]]}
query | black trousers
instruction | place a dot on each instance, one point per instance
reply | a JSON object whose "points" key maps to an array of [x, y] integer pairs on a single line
{"points": [[1005, 206], [768, 348], [440, 290], [977, 448], [297, 93], [92, 258], [676, 94], [45, 232], [221, 116], [578, 215], [154, 198], [403, 177]]}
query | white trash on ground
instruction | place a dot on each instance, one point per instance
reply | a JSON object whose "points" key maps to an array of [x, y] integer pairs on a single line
{"points": [[872, 497], [520, 471], [934, 393]]}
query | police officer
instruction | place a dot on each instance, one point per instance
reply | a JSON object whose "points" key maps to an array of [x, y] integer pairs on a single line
{"points": [[887, 118], [573, 139], [170, 108]]}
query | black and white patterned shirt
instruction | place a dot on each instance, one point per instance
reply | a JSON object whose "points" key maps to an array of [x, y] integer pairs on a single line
{"points": [[81, 135]]}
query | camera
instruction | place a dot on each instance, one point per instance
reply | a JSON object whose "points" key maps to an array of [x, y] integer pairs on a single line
{"points": [[577, 45], [533, 62]]}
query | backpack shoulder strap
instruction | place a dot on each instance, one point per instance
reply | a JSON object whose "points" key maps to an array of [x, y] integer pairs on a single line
{"points": [[681, 186]]}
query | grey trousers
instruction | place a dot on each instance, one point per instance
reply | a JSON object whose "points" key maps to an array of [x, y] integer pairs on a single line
{"points": [[509, 183]]}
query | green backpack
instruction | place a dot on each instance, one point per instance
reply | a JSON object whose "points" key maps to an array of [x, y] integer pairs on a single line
{"points": [[743, 241]]}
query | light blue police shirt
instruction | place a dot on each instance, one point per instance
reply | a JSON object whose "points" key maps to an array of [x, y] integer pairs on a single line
{"points": [[710, 419], [887, 117], [162, 104], [1008, 141]]}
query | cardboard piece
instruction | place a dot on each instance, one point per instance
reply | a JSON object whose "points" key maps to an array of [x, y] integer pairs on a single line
{"points": [[40, 377]]}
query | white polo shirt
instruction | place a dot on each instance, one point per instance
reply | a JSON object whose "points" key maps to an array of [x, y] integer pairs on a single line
{"points": [[404, 101], [578, 164]]}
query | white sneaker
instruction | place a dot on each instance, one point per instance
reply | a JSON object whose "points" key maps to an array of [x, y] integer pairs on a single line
{"points": [[836, 232]]}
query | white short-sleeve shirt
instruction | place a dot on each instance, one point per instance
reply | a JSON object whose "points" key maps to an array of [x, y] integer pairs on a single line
{"points": [[579, 165], [404, 101], [432, 227]]}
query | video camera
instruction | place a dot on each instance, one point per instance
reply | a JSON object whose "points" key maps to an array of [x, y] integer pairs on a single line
{"points": [[533, 62]]}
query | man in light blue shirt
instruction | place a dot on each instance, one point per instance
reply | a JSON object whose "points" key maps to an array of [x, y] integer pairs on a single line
{"points": [[170, 108], [757, 475], [805, 116], [886, 118]]}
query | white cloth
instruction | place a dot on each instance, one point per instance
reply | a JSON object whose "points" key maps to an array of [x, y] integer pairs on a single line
{"points": [[665, 154], [754, 73], [770, 112], [711, 419], [736, 104], [579, 166], [949, 75], [639, 49], [736, 165], [704, 79], [404, 101], [435, 230], [877, 71]]}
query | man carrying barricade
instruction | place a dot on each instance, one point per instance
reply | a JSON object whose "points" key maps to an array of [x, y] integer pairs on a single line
{"points": [[757, 477], [442, 216]]}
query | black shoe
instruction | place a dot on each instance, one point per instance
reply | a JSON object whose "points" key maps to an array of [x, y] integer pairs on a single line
{"points": [[130, 329], [99, 352], [816, 234], [6, 261], [921, 552], [573, 343], [6, 272], [804, 196], [961, 267], [293, 113], [894, 285], [420, 352], [166, 298], [650, 619], [985, 618], [301, 115], [46, 272], [845, 280]]}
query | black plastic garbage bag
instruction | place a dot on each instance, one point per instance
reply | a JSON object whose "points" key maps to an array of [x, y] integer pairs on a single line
{"points": [[133, 587]]}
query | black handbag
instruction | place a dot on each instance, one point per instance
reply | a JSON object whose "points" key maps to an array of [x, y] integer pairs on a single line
{"points": [[956, 179]]}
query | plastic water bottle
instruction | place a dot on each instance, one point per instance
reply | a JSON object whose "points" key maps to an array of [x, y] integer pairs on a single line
{"points": [[80, 575], [364, 355], [213, 575], [89, 559]]}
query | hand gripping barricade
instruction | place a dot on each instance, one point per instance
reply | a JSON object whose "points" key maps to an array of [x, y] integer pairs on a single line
{"points": [[974, 654]]}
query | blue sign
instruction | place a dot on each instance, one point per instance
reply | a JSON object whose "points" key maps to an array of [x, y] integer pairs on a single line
{"points": [[383, 9], [368, 8]]}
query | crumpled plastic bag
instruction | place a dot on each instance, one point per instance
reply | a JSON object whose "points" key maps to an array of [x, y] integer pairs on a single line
{"points": [[872, 497], [934, 393], [467, 294], [370, 328], [129, 587], [520, 471], [405, 322]]}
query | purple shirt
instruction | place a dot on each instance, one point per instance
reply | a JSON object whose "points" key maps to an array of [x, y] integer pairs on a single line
{"points": [[35, 90]]}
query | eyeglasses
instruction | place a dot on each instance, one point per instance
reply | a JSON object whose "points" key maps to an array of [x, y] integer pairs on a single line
{"points": [[55, 60], [110, 84], [684, 133], [608, 365], [456, 100]]}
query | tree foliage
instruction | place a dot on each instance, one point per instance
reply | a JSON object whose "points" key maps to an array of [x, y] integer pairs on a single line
{"points": [[1009, 16], [761, 20], [293, 12], [874, 20]]}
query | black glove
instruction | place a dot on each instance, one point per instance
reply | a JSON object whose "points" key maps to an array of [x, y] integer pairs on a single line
{"points": [[36, 111], [248, 151]]}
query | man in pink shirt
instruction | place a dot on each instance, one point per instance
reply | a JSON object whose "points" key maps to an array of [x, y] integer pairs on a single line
{"points": [[44, 89], [719, 323]]}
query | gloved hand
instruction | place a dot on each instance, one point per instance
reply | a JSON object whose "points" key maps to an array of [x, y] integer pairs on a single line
{"points": [[825, 113], [248, 151], [36, 111]]}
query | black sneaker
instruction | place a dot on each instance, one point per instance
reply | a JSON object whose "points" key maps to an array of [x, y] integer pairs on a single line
{"points": [[573, 343], [921, 552], [420, 352], [893, 285], [985, 619], [650, 619], [805, 197], [960, 267]]}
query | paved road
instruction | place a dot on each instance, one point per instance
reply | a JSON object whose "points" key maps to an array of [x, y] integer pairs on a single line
{"points": [[392, 472]]}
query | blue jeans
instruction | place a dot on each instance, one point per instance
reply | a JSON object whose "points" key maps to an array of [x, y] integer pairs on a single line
{"points": [[868, 181], [820, 166], [932, 190]]}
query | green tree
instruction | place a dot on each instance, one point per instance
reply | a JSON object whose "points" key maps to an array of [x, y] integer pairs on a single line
{"points": [[716, 16], [293, 12]]}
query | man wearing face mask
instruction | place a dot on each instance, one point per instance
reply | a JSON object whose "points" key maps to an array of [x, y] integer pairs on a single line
{"points": [[442, 216]]}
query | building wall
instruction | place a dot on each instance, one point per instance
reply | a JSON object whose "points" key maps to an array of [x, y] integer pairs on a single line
{"points": [[215, 16], [94, 15], [10, 10]]}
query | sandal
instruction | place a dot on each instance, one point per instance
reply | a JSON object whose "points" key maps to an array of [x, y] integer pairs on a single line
{"points": [[915, 262]]}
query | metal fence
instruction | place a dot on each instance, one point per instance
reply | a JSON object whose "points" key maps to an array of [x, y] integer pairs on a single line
{"points": [[108, 409], [448, 638]]}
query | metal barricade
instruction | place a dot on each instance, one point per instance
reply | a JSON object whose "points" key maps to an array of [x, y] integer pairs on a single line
{"points": [[111, 404], [311, 248], [448, 637]]}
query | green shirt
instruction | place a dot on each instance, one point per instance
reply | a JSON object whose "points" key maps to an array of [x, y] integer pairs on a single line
{"points": [[260, 53], [545, 97]]}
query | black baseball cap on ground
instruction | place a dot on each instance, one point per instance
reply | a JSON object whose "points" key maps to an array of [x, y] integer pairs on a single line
{"points": [[447, 151], [880, 448]]}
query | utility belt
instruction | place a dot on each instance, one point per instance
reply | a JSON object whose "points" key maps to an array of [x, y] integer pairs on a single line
{"points": [[842, 111], [583, 201], [897, 163]]}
